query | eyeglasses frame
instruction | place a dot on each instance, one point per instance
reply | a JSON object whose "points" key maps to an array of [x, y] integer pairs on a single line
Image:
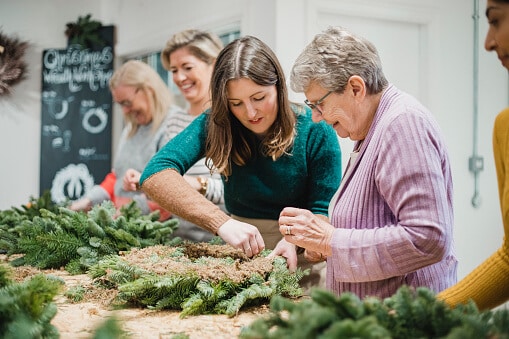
{"points": [[129, 103], [317, 103]]}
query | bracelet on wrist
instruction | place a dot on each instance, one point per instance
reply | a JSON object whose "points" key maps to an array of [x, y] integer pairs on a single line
{"points": [[203, 183]]}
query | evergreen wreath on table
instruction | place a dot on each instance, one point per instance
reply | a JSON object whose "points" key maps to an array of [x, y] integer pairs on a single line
{"points": [[13, 67]]}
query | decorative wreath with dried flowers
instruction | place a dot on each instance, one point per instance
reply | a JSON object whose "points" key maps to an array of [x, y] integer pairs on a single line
{"points": [[13, 67]]}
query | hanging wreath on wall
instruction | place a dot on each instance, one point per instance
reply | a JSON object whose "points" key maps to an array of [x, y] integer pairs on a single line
{"points": [[13, 67]]}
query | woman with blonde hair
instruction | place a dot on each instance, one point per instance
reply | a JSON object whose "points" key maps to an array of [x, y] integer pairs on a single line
{"points": [[190, 56], [146, 103]]}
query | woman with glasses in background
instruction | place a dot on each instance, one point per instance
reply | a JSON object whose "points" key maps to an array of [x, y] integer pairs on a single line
{"points": [[146, 103], [190, 56]]}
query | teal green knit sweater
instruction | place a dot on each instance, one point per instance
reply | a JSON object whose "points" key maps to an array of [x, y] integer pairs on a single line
{"points": [[306, 178]]}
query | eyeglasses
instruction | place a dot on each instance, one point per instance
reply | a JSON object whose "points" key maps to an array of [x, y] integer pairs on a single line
{"points": [[129, 103], [317, 103]]}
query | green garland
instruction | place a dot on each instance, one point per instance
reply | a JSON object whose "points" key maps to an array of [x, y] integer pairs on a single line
{"points": [[408, 313], [27, 308], [58, 237]]}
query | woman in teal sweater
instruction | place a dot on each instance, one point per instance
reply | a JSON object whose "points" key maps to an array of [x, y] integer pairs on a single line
{"points": [[268, 151]]}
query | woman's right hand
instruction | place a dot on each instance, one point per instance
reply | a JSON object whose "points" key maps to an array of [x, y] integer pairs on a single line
{"points": [[131, 180], [242, 235]]}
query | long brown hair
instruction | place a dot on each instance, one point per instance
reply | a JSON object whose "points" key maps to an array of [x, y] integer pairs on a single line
{"points": [[227, 139]]}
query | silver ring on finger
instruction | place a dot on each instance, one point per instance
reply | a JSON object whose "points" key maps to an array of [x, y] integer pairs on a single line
{"points": [[288, 230]]}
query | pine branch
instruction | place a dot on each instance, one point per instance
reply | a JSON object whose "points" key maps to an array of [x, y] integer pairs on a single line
{"points": [[84, 32], [53, 238], [109, 329], [408, 313], [27, 308], [184, 288]]}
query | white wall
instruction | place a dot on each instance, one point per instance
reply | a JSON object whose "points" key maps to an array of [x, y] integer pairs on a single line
{"points": [[286, 25], [42, 24]]}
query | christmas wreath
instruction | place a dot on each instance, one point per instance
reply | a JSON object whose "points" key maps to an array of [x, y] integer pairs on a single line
{"points": [[12, 65]]}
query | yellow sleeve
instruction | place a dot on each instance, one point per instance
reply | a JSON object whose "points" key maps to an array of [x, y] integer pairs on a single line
{"points": [[488, 284]]}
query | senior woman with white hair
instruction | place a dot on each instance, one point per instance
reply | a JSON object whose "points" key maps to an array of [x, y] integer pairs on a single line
{"points": [[391, 220]]}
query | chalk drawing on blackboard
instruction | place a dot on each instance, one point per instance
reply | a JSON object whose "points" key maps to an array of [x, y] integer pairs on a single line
{"points": [[57, 142], [57, 106], [67, 141], [51, 130], [71, 183], [91, 116], [85, 105], [60, 139]]}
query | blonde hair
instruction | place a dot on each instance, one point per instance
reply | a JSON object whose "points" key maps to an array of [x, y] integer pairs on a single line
{"points": [[140, 75], [203, 45]]}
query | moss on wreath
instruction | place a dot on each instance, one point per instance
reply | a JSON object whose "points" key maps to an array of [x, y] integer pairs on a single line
{"points": [[197, 278]]}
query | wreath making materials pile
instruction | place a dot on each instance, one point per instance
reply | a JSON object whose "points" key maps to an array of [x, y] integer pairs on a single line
{"points": [[133, 259]]}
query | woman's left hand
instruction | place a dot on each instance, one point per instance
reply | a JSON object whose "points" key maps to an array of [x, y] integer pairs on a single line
{"points": [[305, 229]]}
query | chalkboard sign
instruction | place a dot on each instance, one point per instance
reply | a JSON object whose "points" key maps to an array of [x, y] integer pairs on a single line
{"points": [[76, 118]]}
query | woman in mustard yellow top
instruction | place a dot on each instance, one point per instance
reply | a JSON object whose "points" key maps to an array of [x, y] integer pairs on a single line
{"points": [[488, 284]]}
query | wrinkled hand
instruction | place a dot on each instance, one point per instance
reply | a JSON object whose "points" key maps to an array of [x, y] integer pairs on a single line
{"points": [[242, 235], [131, 180], [286, 250], [307, 230]]}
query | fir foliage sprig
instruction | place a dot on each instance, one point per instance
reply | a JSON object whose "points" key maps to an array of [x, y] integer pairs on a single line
{"points": [[27, 308], [10, 219], [77, 240], [84, 32], [190, 293], [409, 313], [111, 328]]}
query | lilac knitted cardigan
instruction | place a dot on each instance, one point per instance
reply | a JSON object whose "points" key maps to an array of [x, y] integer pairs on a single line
{"points": [[393, 213]]}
